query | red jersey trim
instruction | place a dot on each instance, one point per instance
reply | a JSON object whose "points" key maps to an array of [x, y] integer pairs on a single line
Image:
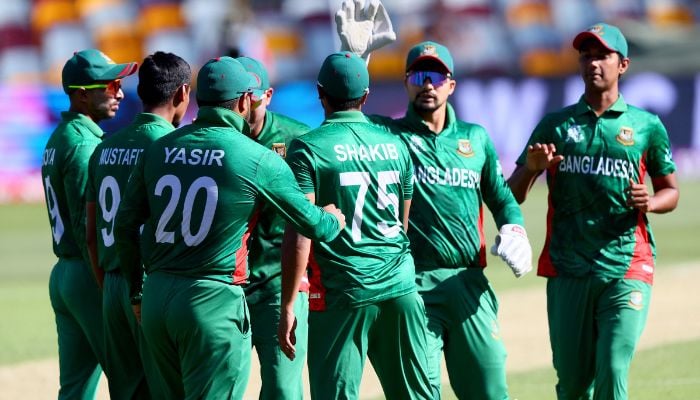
{"points": [[317, 292], [642, 265], [545, 267], [240, 274], [482, 239]]}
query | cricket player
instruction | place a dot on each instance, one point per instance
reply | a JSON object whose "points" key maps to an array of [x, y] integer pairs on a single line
{"points": [[164, 89], [363, 297], [92, 81], [196, 191], [456, 172], [281, 377], [599, 252]]}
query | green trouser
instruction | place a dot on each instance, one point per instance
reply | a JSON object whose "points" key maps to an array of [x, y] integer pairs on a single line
{"points": [[391, 333], [198, 333], [462, 322], [594, 326], [281, 377], [123, 341], [76, 301]]}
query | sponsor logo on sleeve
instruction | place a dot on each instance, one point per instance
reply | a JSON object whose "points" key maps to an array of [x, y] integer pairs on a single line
{"points": [[625, 136], [280, 148], [464, 148]]}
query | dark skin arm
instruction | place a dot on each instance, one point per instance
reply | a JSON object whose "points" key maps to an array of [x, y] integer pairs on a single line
{"points": [[664, 199], [91, 240], [539, 157]]}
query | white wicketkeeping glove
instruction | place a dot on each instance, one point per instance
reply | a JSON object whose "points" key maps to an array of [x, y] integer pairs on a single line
{"points": [[363, 31], [514, 248]]}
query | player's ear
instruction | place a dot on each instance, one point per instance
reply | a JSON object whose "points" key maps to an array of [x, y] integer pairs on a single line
{"points": [[269, 92], [363, 100], [181, 94]]}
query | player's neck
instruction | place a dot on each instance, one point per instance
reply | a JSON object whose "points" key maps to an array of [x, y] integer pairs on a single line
{"points": [[600, 101], [435, 120], [167, 112]]}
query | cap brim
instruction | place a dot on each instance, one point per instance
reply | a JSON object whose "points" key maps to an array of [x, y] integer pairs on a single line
{"points": [[119, 71], [430, 58], [583, 36]]}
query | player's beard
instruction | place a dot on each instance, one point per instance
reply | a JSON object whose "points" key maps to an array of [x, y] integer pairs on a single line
{"points": [[422, 107]]}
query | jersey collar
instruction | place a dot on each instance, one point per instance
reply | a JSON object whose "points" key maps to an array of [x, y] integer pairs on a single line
{"points": [[84, 120], [219, 116], [345, 116], [415, 121], [149, 118], [619, 106]]}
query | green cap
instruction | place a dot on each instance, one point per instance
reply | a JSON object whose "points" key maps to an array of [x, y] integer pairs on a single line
{"points": [[429, 51], [609, 36], [89, 66], [344, 76], [257, 69], [222, 79]]}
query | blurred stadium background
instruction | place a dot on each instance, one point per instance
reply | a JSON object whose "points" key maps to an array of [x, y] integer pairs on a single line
{"points": [[513, 58]]}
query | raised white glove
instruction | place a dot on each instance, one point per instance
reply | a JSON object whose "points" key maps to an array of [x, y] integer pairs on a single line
{"points": [[363, 31], [514, 248]]}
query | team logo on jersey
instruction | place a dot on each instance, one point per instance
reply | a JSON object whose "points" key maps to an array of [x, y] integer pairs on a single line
{"points": [[574, 134], [636, 300], [464, 148], [625, 136], [280, 148]]}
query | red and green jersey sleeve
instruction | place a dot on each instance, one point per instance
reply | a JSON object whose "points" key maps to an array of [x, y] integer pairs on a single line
{"points": [[456, 172], [265, 277], [366, 172], [196, 192], [64, 175], [110, 167], [590, 229]]}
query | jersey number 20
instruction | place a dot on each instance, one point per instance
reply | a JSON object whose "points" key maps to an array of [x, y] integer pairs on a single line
{"points": [[211, 191]]}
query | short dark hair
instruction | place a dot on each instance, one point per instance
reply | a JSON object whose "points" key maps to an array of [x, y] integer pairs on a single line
{"points": [[160, 75], [342, 105]]}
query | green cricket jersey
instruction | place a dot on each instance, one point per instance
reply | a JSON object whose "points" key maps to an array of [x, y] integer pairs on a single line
{"points": [[456, 171], [590, 229], [64, 173], [110, 167], [366, 173], [196, 191], [265, 277]]}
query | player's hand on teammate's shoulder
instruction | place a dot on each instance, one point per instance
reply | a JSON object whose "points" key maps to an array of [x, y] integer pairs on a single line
{"points": [[335, 211], [363, 30], [542, 156]]}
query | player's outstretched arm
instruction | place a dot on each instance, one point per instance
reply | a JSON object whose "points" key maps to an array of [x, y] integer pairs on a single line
{"points": [[276, 184], [361, 30]]}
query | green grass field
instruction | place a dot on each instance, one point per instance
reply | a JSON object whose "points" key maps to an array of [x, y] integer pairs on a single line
{"points": [[28, 331]]}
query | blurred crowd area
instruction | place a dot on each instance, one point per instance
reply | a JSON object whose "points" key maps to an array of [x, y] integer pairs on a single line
{"points": [[292, 37]]}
